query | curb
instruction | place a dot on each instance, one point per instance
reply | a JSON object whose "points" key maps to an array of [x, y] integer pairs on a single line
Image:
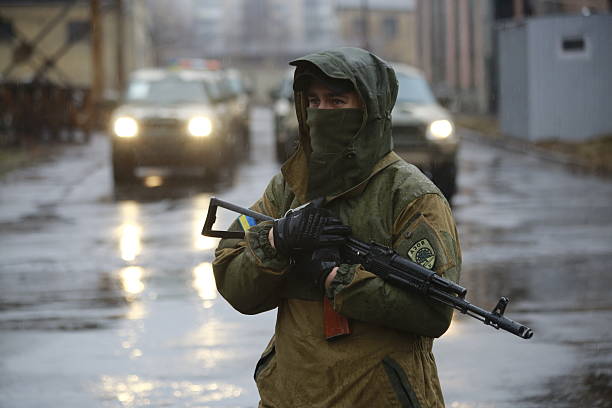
{"points": [[517, 145]]}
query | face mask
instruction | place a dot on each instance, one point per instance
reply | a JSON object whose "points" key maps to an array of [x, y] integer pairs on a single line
{"points": [[332, 132]]}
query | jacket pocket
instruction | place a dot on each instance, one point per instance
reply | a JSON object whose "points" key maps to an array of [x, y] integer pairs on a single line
{"points": [[400, 383], [264, 360]]}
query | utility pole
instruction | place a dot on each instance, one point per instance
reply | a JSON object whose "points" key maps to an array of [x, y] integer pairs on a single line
{"points": [[97, 62], [519, 12], [119, 44], [365, 14]]}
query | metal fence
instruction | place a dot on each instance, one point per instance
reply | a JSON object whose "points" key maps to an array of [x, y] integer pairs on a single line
{"points": [[36, 112]]}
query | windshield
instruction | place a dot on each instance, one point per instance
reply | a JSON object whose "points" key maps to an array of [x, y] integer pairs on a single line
{"points": [[235, 85], [167, 91], [413, 89]]}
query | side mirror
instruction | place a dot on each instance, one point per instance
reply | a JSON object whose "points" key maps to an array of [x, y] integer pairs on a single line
{"points": [[445, 101]]}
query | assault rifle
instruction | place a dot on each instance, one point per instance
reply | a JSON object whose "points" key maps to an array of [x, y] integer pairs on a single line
{"points": [[393, 268]]}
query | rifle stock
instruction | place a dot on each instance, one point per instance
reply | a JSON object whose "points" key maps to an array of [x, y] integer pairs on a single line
{"points": [[395, 269]]}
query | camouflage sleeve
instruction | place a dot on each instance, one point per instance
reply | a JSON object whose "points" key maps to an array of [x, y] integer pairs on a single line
{"points": [[248, 272], [424, 232]]}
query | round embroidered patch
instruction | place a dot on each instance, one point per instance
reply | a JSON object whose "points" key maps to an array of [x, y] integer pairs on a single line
{"points": [[423, 253]]}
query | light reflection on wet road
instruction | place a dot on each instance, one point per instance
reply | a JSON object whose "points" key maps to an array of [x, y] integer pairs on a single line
{"points": [[107, 297], [542, 236]]}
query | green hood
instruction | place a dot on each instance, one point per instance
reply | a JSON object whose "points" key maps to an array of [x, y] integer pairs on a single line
{"points": [[377, 86]]}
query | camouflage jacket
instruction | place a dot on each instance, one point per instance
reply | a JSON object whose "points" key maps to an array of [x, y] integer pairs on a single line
{"points": [[387, 358]]}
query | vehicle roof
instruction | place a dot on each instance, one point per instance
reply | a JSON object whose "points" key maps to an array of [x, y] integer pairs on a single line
{"points": [[152, 74], [407, 69]]}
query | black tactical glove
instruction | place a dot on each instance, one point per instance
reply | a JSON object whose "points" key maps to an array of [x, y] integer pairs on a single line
{"points": [[322, 261], [306, 229]]}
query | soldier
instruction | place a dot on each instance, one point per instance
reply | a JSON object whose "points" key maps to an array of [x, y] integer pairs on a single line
{"points": [[344, 99]]}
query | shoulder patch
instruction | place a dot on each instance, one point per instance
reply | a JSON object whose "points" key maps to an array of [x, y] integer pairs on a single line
{"points": [[423, 253]]}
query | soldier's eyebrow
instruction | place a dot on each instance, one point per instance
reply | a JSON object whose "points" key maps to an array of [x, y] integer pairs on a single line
{"points": [[330, 94]]}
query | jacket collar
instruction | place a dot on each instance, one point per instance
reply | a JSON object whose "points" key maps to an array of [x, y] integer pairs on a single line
{"points": [[296, 177]]}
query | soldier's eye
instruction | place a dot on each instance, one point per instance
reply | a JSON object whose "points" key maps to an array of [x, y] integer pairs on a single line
{"points": [[313, 101]]}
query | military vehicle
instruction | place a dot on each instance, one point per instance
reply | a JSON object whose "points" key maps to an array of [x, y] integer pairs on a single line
{"points": [[172, 118]]}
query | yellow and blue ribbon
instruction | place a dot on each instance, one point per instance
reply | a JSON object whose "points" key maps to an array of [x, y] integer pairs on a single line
{"points": [[246, 222]]}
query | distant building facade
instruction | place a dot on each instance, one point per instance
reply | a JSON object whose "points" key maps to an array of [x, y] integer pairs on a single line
{"points": [[386, 27], [457, 43], [30, 24], [259, 37], [455, 50], [262, 28], [556, 77]]}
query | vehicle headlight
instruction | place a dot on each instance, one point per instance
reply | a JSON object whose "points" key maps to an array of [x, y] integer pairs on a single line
{"points": [[440, 129], [282, 107], [200, 126], [125, 127]]}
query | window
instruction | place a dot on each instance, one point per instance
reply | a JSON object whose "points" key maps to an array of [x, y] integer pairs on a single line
{"points": [[358, 25], [6, 31], [168, 90], [413, 89], [390, 27], [78, 31], [574, 46]]}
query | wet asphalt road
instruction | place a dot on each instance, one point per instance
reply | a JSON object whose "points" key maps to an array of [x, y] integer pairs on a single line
{"points": [[107, 297]]}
